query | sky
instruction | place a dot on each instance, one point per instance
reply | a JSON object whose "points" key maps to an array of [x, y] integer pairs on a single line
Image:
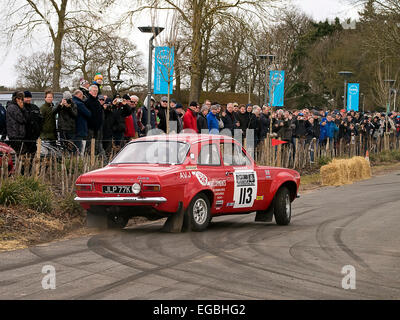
{"points": [[317, 9]]}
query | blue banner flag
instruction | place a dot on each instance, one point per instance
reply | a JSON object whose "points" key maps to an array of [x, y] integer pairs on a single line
{"points": [[163, 70], [353, 96], [276, 88]]}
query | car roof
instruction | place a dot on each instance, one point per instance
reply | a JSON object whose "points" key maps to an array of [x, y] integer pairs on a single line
{"points": [[186, 137]]}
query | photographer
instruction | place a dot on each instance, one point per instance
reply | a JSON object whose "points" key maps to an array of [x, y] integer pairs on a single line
{"points": [[81, 121], [120, 109], [67, 114], [34, 123]]}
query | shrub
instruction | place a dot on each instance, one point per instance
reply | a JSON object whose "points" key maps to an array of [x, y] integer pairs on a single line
{"points": [[323, 161], [70, 207], [39, 201], [10, 193], [29, 192]]}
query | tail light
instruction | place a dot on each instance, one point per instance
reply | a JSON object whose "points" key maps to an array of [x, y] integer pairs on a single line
{"points": [[151, 187], [84, 187]]}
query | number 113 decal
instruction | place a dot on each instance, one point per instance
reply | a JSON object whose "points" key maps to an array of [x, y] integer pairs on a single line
{"points": [[245, 190], [245, 195]]}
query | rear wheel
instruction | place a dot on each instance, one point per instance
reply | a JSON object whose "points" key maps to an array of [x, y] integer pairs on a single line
{"points": [[115, 221], [283, 207], [198, 213]]}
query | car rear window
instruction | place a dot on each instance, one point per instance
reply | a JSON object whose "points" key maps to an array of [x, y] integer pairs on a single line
{"points": [[159, 152]]}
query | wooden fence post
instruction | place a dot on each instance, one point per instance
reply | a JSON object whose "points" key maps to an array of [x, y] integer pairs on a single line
{"points": [[92, 152]]}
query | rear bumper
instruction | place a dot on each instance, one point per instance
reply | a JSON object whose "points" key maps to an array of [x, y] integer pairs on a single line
{"points": [[121, 200]]}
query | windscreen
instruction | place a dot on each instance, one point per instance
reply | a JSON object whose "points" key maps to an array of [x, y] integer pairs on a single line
{"points": [[161, 152]]}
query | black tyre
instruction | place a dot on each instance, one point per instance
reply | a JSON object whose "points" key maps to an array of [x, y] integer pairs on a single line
{"points": [[198, 214], [282, 207], [115, 221]]}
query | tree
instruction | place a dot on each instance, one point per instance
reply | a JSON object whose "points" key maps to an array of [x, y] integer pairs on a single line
{"points": [[82, 50], [57, 17], [197, 15], [35, 72], [121, 60]]}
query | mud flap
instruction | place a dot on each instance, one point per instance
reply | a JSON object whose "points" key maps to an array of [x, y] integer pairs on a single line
{"points": [[266, 215], [96, 220], [174, 222]]}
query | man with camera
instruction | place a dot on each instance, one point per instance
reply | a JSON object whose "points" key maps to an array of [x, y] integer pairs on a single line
{"points": [[67, 113], [34, 123]]}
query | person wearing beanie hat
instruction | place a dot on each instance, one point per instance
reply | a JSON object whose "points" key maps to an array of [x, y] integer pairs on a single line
{"points": [[98, 81], [34, 123], [190, 117], [67, 113]]}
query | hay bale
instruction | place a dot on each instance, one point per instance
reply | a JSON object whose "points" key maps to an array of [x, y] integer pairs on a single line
{"points": [[345, 171]]}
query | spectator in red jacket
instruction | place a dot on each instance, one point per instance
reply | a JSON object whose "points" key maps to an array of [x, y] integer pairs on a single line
{"points": [[190, 117]]}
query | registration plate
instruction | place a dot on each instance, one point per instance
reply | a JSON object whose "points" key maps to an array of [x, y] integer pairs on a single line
{"points": [[117, 189]]}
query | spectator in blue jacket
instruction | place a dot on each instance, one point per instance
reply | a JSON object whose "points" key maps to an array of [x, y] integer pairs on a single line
{"points": [[328, 129], [84, 115], [212, 121]]}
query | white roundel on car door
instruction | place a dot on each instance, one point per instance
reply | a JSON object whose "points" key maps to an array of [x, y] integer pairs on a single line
{"points": [[245, 190]]}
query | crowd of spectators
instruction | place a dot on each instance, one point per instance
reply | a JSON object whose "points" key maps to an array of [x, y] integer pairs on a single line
{"points": [[112, 122]]}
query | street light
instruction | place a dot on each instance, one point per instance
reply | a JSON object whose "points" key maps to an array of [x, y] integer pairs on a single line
{"points": [[390, 84], [363, 100], [394, 101], [270, 59], [117, 82], [346, 75], [155, 31]]}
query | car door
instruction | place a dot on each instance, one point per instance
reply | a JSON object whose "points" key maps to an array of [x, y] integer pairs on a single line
{"points": [[212, 175], [241, 179]]}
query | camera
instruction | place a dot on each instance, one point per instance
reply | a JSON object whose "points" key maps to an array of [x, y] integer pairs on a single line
{"points": [[69, 101]]}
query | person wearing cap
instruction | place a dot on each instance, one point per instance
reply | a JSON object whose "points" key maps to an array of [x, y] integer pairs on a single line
{"points": [[84, 115], [162, 114], [180, 112], [172, 104], [121, 110], [190, 117], [16, 121], [142, 116], [84, 87], [67, 113], [34, 123], [49, 120]]}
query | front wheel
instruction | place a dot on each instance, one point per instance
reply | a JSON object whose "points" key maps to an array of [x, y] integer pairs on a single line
{"points": [[283, 207], [115, 221], [198, 213]]}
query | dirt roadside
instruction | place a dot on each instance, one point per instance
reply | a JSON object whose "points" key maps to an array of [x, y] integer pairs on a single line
{"points": [[21, 227]]}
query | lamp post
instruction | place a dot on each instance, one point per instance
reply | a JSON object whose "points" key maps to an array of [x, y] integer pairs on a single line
{"points": [[363, 99], [155, 31], [390, 84], [266, 58], [394, 101], [346, 75], [117, 82]]}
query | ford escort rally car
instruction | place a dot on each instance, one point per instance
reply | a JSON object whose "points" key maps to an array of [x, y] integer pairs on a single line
{"points": [[189, 178]]}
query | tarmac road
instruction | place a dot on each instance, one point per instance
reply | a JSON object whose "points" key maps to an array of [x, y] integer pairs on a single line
{"points": [[235, 258]]}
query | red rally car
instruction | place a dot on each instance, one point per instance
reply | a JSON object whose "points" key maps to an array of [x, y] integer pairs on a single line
{"points": [[189, 178]]}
